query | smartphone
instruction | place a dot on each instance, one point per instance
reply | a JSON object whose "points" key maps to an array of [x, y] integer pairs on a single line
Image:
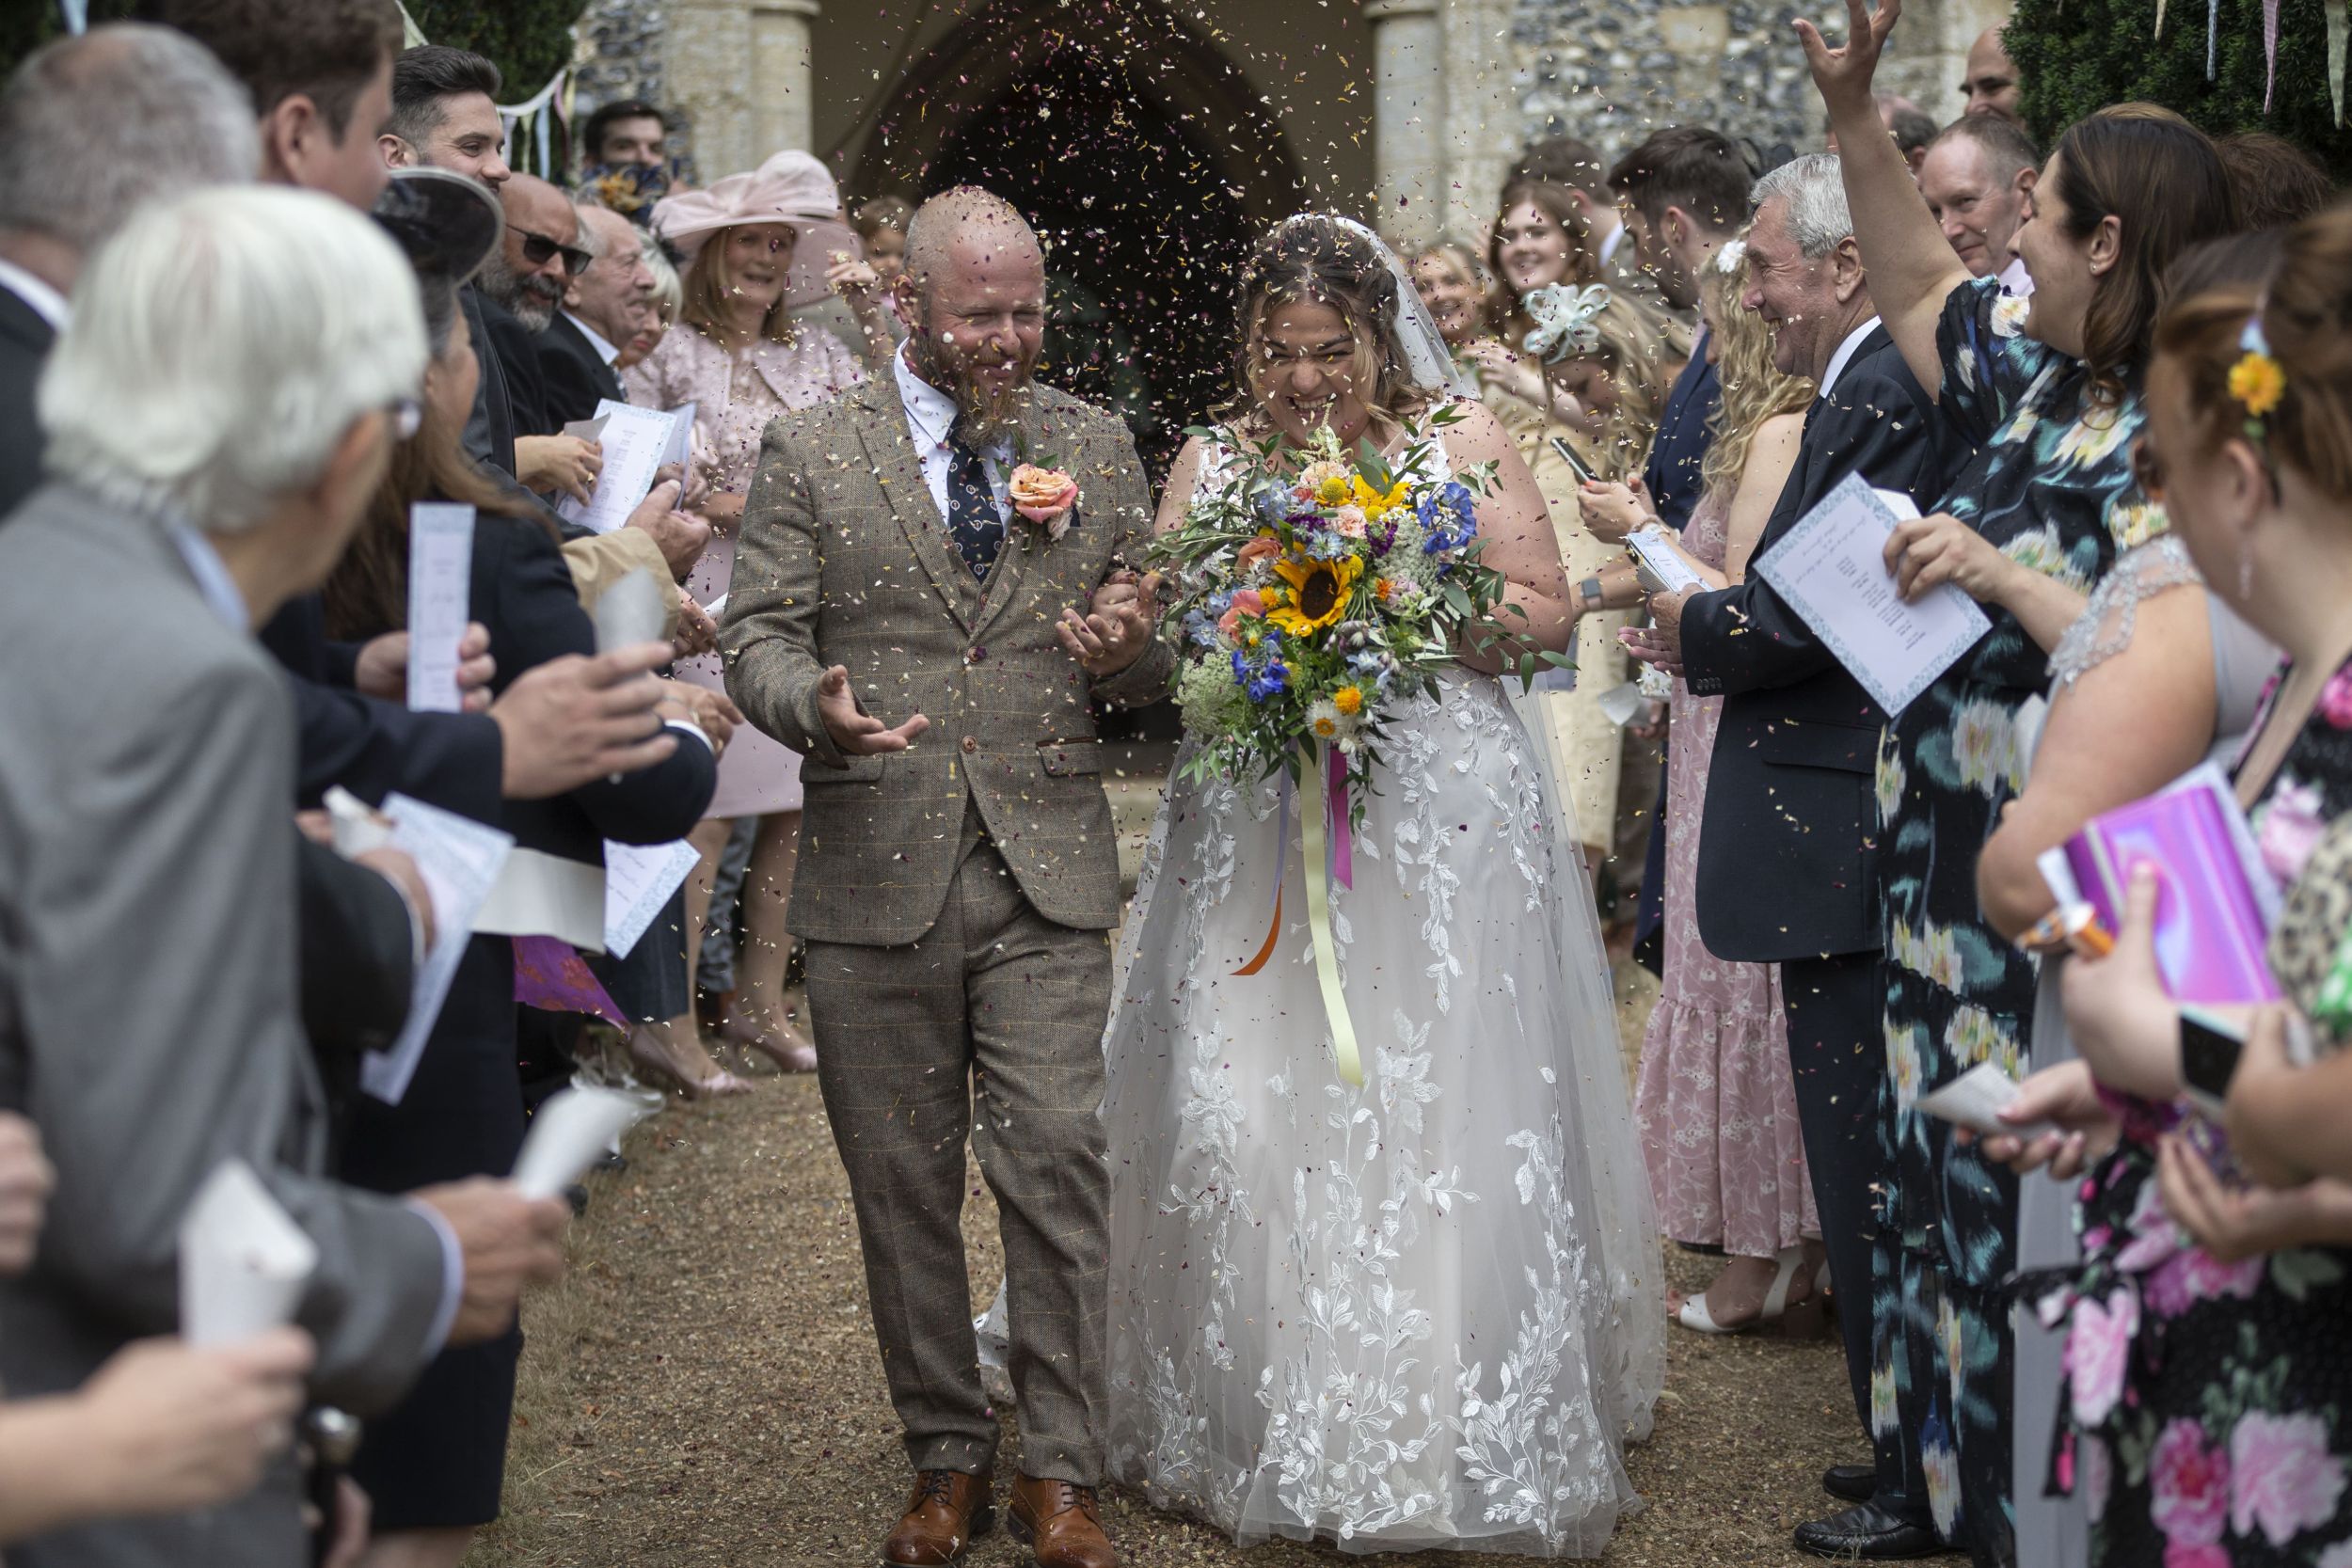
{"points": [[2209, 1046], [1567, 456]]}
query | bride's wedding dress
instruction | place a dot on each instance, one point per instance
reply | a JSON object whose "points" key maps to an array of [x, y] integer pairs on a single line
{"points": [[1422, 1313]]}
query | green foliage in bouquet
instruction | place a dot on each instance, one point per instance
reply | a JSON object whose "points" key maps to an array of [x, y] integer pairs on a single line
{"points": [[2075, 57]]}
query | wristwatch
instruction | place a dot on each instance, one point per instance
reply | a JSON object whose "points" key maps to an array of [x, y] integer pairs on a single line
{"points": [[1589, 591]]}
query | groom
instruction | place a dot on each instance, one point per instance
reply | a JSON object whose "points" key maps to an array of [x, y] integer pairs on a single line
{"points": [[896, 619]]}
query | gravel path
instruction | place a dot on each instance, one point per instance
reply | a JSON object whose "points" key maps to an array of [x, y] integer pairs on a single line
{"points": [[704, 1389]]}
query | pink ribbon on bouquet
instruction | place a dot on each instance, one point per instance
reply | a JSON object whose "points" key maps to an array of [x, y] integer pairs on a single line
{"points": [[1336, 817]]}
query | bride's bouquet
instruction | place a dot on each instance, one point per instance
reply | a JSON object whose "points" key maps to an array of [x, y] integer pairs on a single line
{"points": [[1304, 607]]}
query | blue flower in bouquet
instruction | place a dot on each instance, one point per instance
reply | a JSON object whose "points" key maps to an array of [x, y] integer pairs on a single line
{"points": [[1329, 546], [1448, 516], [1199, 629], [1220, 601], [1271, 500], [1275, 677]]}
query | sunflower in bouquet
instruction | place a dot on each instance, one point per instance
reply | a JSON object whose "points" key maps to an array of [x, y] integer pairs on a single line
{"points": [[1305, 605]]}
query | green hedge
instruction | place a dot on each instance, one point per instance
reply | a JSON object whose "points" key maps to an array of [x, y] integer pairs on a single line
{"points": [[529, 41], [2078, 55]]}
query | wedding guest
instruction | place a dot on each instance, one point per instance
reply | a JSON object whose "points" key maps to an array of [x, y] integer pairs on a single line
{"points": [[1452, 282], [657, 313], [1574, 364], [1790, 847], [1907, 123], [1572, 167], [2047, 389], [560, 724], [1990, 86], [1684, 193], [434, 1466], [159, 1426], [96, 127], [2277, 182], [757, 246], [522, 287], [320, 74], [2158, 675], [882, 230], [445, 115], [627, 131], [1978, 178], [603, 308], [1715, 1100], [2224, 1349], [196, 312]]}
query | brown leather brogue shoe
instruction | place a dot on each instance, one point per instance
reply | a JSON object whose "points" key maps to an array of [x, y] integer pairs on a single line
{"points": [[1057, 1520], [947, 1512]]}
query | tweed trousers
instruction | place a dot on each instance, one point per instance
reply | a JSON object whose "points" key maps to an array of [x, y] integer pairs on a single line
{"points": [[997, 1010]]}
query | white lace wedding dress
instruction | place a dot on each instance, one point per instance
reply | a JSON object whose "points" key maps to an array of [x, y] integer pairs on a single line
{"points": [[1424, 1313]]}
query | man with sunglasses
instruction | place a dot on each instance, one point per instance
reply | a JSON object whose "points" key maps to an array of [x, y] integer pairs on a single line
{"points": [[519, 289]]}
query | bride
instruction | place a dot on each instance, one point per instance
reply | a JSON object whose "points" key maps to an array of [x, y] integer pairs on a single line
{"points": [[1424, 1312]]}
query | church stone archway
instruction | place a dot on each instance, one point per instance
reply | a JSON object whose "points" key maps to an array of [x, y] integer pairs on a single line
{"points": [[1146, 165]]}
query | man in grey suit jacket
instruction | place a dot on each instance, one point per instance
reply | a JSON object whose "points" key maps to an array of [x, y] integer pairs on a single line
{"points": [[148, 994], [927, 647]]}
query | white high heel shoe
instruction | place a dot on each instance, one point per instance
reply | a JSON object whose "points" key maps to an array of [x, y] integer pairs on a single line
{"points": [[1695, 1317]]}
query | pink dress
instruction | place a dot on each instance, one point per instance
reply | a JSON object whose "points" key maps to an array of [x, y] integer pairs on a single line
{"points": [[1715, 1099], [735, 396]]}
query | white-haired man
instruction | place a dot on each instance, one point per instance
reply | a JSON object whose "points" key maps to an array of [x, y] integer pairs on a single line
{"points": [[1789, 804], [148, 1020], [956, 896]]}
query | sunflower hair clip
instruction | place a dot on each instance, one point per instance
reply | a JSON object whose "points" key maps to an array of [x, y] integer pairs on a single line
{"points": [[2256, 380]]}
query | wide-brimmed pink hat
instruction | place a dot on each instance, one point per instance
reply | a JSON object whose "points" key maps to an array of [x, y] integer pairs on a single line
{"points": [[792, 188]]}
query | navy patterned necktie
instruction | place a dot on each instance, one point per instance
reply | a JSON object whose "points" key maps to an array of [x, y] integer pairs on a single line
{"points": [[973, 521]]}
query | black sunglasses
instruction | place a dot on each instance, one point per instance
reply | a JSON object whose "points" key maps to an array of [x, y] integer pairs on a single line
{"points": [[538, 249]]}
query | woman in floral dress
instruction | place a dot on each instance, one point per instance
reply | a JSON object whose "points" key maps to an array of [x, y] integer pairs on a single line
{"points": [[2207, 1412], [2046, 389]]}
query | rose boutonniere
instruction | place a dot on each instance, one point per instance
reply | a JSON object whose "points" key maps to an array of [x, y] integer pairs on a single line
{"points": [[1046, 496]]}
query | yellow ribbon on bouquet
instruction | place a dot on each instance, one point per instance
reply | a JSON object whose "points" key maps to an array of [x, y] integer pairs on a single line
{"points": [[1315, 849]]}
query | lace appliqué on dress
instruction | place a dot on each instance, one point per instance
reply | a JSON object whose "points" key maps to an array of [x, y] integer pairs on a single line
{"points": [[2105, 627]]}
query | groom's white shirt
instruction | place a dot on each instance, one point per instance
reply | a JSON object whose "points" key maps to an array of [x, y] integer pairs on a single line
{"points": [[930, 414]]}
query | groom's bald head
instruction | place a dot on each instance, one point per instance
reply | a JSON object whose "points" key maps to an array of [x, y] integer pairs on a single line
{"points": [[973, 296], [965, 228]]}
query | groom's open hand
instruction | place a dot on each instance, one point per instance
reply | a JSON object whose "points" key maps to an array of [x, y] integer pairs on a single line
{"points": [[1117, 627], [855, 733]]}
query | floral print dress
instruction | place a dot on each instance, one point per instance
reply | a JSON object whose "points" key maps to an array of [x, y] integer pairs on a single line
{"points": [[2050, 486], [2209, 1404]]}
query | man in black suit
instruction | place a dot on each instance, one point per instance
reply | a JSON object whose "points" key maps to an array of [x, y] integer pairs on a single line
{"points": [[1787, 871], [599, 315], [1684, 192]]}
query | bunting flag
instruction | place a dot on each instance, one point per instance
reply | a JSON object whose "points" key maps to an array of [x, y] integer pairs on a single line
{"points": [[2338, 27], [2271, 50]]}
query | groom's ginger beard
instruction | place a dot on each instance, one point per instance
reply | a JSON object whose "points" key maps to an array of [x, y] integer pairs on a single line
{"points": [[989, 413]]}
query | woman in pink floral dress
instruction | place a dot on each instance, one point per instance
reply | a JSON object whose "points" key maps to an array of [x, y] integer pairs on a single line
{"points": [[1716, 1101], [758, 247]]}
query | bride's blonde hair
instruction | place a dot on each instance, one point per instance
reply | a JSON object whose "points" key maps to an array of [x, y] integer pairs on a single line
{"points": [[1316, 259]]}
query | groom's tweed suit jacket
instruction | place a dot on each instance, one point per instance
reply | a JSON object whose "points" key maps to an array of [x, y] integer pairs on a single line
{"points": [[845, 560]]}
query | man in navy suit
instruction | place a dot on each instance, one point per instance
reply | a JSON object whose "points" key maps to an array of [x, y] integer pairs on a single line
{"points": [[1788, 873], [1684, 192]]}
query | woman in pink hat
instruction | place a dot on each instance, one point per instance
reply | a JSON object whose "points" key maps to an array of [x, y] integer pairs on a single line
{"points": [[758, 247]]}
